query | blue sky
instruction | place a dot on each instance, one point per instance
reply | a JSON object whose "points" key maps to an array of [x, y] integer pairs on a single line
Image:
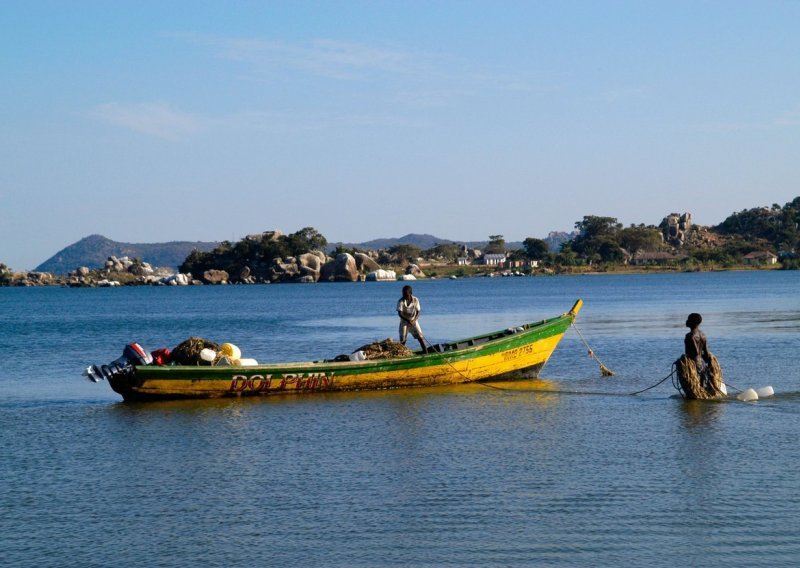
{"points": [[156, 121]]}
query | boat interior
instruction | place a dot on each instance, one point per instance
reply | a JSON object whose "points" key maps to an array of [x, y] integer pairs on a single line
{"points": [[480, 339]]}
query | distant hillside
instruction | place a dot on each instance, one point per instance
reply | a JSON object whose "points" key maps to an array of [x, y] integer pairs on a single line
{"points": [[92, 252], [421, 241], [424, 242]]}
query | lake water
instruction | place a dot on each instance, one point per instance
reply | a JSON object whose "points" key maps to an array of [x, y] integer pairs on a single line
{"points": [[569, 470]]}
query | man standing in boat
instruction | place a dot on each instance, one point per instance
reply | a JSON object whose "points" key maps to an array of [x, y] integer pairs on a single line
{"points": [[408, 309]]}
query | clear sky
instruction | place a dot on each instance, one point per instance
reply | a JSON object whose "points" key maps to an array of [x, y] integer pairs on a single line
{"points": [[151, 121]]}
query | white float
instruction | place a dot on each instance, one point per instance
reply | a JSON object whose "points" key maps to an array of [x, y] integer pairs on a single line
{"points": [[747, 395], [764, 392]]}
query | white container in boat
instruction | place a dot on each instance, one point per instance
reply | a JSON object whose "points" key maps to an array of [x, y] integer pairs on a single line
{"points": [[248, 362], [230, 350], [764, 392], [208, 354], [747, 395], [358, 356]]}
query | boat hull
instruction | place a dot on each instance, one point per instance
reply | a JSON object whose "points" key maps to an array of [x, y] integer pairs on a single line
{"points": [[504, 355]]}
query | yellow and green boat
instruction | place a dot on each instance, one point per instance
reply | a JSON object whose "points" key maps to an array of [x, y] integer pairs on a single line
{"points": [[514, 353]]}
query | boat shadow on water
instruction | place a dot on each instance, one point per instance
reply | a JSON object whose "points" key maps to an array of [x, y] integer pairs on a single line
{"points": [[543, 389]]}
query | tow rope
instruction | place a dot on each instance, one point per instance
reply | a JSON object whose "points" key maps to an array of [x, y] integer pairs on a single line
{"points": [[605, 371]]}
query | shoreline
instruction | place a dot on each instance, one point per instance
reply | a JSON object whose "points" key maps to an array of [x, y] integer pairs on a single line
{"points": [[103, 279]]}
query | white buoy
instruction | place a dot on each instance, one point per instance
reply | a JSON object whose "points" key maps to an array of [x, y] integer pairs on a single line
{"points": [[764, 392], [208, 354], [748, 395]]}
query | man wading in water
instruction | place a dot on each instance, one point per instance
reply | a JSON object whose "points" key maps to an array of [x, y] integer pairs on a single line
{"points": [[695, 344], [408, 309]]}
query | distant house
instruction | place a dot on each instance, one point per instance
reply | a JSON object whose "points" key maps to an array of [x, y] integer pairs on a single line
{"points": [[493, 259], [760, 257], [655, 258], [522, 263], [463, 261]]}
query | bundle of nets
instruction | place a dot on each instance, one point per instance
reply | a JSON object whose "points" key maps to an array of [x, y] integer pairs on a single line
{"points": [[386, 349], [694, 385], [188, 352]]}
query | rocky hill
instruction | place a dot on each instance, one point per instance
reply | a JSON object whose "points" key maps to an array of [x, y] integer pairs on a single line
{"points": [[94, 250], [423, 241]]}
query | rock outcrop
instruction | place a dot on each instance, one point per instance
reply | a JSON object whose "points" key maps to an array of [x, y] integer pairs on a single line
{"points": [[365, 263], [343, 268], [214, 276], [381, 275], [415, 271], [310, 265]]}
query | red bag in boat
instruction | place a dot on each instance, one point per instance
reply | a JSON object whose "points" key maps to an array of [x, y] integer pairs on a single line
{"points": [[161, 356]]}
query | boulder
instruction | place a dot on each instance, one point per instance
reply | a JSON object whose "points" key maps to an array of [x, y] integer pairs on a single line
{"points": [[283, 270], [114, 265], [381, 275], [415, 271], [344, 268], [323, 258], [143, 269], [309, 266], [214, 276], [365, 263], [245, 275]]}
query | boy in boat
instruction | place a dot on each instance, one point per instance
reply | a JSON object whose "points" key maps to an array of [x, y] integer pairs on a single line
{"points": [[408, 309], [695, 344]]}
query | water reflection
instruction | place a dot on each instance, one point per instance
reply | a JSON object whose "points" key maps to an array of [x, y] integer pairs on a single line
{"points": [[700, 413]]}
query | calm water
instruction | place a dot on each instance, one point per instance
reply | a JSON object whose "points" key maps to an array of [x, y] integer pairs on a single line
{"points": [[566, 471]]}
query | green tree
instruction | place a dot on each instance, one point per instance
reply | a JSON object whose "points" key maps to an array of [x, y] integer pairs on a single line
{"points": [[779, 226], [636, 238], [566, 257], [536, 249], [447, 251], [598, 239], [497, 245], [405, 253], [305, 240]]}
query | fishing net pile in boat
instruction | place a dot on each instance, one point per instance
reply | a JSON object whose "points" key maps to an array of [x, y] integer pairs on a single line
{"points": [[695, 386], [386, 349], [188, 352]]}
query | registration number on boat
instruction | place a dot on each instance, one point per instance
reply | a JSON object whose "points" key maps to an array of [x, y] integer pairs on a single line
{"points": [[518, 352]]}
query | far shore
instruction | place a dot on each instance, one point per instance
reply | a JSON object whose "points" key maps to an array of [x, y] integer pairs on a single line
{"points": [[100, 279]]}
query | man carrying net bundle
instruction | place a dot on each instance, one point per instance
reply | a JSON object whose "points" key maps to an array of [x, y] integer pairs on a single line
{"points": [[698, 370]]}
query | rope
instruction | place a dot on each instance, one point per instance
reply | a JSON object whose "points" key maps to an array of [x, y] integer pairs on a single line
{"points": [[671, 375], [430, 346], [605, 371]]}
